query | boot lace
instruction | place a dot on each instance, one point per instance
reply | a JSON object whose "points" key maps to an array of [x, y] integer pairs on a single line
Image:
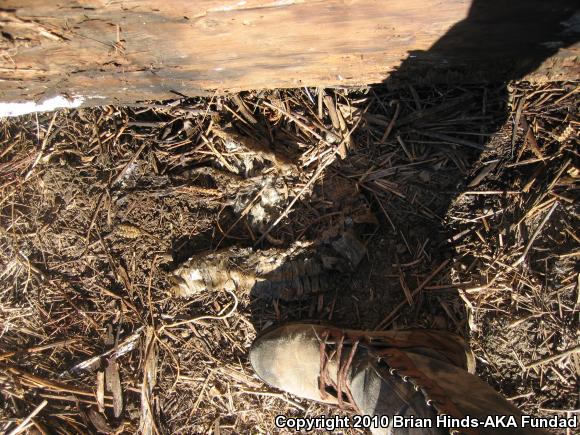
{"points": [[332, 344]]}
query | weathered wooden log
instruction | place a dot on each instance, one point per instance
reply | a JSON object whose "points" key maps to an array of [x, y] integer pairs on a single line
{"points": [[107, 51]]}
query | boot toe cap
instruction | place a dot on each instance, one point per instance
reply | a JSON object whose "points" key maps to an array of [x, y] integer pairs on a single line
{"points": [[288, 358]]}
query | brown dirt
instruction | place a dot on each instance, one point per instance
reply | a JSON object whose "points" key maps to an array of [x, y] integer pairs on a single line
{"points": [[99, 206]]}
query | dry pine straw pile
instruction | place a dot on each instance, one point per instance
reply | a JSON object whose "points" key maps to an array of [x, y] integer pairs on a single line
{"points": [[465, 197]]}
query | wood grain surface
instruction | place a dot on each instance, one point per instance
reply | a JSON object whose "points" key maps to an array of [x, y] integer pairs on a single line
{"points": [[124, 51]]}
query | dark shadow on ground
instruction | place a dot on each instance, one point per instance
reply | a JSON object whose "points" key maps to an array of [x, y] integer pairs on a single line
{"points": [[499, 41]]}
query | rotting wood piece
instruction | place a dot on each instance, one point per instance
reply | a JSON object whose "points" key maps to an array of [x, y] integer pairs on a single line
{"points": [[103, 52]]}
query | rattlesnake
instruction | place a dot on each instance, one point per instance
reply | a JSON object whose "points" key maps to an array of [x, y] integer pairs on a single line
{"points": [[295, 273]]}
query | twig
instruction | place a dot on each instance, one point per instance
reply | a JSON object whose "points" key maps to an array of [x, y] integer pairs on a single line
{"points": [[426, 281], [536, 233], [220, 157], [244, 109], [42, 148], [39, 382], [37, 348], [148, 425], [276, 395], [94, 218], [448, 138], [297, 121], [563, 411], [491, 192], [518, 114], [204, 317], [553, 357], [392, 122], [91, 364], [27, 420]]}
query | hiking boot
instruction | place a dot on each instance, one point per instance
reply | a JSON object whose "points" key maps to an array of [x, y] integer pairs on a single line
{"points": [[303, 359], [417, 373]]}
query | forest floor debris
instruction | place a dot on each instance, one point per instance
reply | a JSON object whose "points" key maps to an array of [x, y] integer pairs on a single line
{"points": [[454, 207]]}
